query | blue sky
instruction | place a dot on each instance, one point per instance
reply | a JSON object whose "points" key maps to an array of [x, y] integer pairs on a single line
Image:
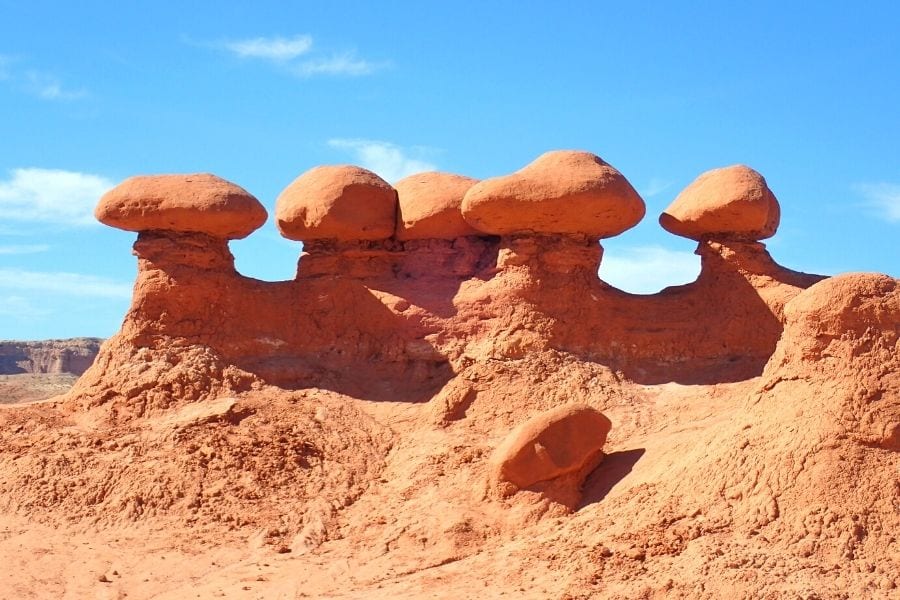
{"points": [[94, 92]]}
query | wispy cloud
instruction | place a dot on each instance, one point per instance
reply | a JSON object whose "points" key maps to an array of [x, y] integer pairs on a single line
{"points": [[49, 87], [883, 199], [24, 249], [297, 56], [388, 160], [648, 269], [70, 284], [654, 187], [51, 196], [20, 308], [35, 82], [339, 64], [271, 48]]}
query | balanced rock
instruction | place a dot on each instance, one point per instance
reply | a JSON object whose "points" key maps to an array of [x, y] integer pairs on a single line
{"points": [[560, 446], [430, 206], [562, 192], [197, 203], [344, 203], [732, 202]]}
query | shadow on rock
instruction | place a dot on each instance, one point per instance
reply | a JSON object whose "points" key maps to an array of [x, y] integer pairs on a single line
{"points": [[614, 468]]}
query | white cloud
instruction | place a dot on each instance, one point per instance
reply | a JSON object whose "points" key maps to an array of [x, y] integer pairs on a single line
{"points": [[883, 198], [285, 52], [48, 87], [648, 269], [654, 187], [20, 308], [35, 82], [339, 64], [51, 196], [24, 249], [389, 161], [271, 48], [70, 284]]}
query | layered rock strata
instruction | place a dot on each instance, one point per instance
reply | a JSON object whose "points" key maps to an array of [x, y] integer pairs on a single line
{"points": [[50, 356]]}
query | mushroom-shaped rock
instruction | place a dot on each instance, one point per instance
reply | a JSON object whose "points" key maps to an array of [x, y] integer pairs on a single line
{"points": [[562, 445], [562, 192], [732, 202], [198, 203], [344, 203], [430, 206]]}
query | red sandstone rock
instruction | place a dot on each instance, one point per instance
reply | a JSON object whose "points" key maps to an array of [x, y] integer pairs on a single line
{"points": [[760, 438], [337, 202], [429, 206], [198, 203], [848, 302], [828, 327], [732, 202], [562, 192], [563, 441]]}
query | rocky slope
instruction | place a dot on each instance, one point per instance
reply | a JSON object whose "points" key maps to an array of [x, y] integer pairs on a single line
{"points": [[421, 417]]}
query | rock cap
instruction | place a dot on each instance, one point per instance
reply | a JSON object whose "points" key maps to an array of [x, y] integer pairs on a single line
{"points": [[337, 202], [731, 202], [561, 192], [195, 203], [430, 206]]}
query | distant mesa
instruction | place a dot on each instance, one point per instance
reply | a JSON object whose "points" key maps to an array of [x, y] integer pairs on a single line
{"points": [[196, 203], [562, 192], [344, 203], [732, 202], [49, 356], [430, 206]]}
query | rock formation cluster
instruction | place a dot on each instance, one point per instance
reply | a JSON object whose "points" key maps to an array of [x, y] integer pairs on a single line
{"points": [[406, 286], [447, 371]]}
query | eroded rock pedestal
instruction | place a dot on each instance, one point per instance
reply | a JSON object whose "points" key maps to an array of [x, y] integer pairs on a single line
{"points": [[405, 315]]}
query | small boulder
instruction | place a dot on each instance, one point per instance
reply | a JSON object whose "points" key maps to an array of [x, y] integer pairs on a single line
{"points": [[430, 206], [553, 452], [562, 192], [732, 202], [197, 203], [344, 203]]}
